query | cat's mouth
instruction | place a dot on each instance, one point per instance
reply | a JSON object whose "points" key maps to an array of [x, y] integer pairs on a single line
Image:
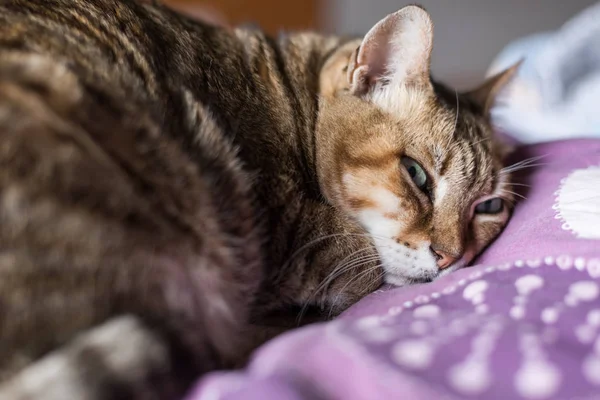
{"points": [[396, 279], [421, 280], [403, 270]]}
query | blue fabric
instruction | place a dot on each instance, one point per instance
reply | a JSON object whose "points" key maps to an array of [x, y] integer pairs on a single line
{"points": [[556, 92]]}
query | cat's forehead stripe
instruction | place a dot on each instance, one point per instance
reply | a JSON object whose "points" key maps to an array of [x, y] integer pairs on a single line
{"points": [[464, 164], [439, 159]]}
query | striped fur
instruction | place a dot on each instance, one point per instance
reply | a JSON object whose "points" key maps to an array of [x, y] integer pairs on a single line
{"points": [[162, 206]]}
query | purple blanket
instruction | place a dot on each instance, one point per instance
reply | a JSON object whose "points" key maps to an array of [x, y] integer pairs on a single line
{"points": [[522, 324]]}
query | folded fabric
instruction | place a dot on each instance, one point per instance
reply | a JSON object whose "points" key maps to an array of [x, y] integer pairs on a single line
{"points": [[556, 92]]}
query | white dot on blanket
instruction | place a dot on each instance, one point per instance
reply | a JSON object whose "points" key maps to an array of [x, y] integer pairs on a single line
{"points": [[428, 311], [517, 312], [591, 369], [505, 267], [585, 333], [564, 262], [422, 299], [470, 377], [368, 322], [537, 379], [482, 309], [593, 268], [584, 290], [478, 299], [549, 315], [449, 290], [528, 283], [578, 203], [580, 263], [571, 300], [413, 354], [475, 289]]}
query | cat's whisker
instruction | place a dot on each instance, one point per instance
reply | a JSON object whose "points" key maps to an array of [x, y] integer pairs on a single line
{"points": [[516, 168], [340, 269], [334, 302], [479, 142], [320, 239], [514, 194], [527, 163], [457, 111], [327, 282], [343, 264], [519, 168], [343, 261], [360, 261], [377, 278], [518, 165], [531, 159], [517, 184]]}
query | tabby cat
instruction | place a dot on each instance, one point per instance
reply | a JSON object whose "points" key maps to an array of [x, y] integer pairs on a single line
{"points": [[173, 193]]}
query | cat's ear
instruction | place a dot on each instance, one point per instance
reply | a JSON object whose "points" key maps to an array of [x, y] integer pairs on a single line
{"points": [[485, 95], [395, 52]]}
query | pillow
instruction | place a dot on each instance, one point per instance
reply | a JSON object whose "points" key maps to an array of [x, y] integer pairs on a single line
{"points": [[521, 324]]}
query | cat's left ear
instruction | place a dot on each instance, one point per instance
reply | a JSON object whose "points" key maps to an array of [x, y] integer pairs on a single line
{"points": [[395, 52], [485, 95]]}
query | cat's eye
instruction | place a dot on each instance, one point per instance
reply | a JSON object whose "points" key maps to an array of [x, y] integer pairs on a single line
{"points": [[416, 172], [491, 206]]}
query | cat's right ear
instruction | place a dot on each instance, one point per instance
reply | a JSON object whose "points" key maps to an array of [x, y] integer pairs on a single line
{"points": [[485, 95], [395, 52]]}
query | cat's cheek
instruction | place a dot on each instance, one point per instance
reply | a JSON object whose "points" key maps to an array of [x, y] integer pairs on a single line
{"points": [[378, 225]]}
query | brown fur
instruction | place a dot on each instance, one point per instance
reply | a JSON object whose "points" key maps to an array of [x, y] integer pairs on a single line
{"points": [[176, 190], [395, 112]]}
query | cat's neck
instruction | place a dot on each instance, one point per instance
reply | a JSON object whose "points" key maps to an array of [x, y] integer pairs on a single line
{"points": [[285, 79]]}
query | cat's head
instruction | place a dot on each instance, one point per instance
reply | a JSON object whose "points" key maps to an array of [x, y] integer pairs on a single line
{"points": [[413, 162]]}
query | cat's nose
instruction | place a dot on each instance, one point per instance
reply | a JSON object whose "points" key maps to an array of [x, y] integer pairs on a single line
{"points": [[444, 260]]}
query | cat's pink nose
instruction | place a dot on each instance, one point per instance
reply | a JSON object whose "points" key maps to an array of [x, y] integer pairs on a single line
{"points": [[444, 260]]}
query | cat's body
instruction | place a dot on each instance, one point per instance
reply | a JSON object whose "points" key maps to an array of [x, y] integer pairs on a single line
{"points": [[162, 195]]}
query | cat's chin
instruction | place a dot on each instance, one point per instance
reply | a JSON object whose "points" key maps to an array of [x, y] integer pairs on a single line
{"points": [[395, 280], [399, 281]]}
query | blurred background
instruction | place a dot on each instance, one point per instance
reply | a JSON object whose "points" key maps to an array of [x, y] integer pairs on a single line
{"points": [[469, 33]]}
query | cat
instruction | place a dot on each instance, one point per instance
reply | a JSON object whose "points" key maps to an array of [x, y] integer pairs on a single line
{"points": [[173, 194]]}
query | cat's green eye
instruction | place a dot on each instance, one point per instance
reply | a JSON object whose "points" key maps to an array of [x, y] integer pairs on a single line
{"points": [[416, 172], [491, 206]]}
